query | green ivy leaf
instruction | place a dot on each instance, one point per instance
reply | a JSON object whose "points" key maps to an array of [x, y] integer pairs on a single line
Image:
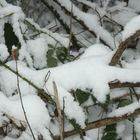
{"points": [[110, 133], [61, 54], [81, 96], [50, 53], [51, 46], [52, 62], [124, 102]]}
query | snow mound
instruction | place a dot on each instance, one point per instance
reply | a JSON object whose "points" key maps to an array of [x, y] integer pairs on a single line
{"points": [[3, 52], [96, 50], [131, 28], [38, 50], [37, 113]]}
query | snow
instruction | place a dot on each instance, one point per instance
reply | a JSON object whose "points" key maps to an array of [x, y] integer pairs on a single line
{"points": [[125, 110], [71, 106], [16, 16], [133, 65], [36, 112], [135, 4], [91, 22], [120, 128], [3, 3], [52, 38], [123, 16], [94, 73], [137, 126], [25, 56], [91, 71], [94, 133], [96, 50], [3, 52], [38, 50], [131, 27]]}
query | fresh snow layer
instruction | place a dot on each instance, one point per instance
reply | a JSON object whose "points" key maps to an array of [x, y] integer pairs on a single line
{"points": [[38, 49], [131, 28], [52, 38], [125, 110], [16, 16], [96, 50], [36, 112], [123, 16], [135, 4], [91, 71], [91, 21], [3, 52]]}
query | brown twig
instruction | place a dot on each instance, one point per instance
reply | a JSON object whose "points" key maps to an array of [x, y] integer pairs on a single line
{"points": [[118, 84], [101, 123], [117, 98], [123, 45], [70, 37], [41, 92], [81, 22], [14, 54]]}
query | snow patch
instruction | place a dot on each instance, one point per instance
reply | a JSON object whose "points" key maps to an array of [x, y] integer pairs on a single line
{"points": [[131, 28]]}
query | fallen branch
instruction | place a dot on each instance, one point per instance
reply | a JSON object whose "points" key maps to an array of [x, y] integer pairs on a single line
{"points": [[18, 124], [87, 27], [41, 92], [123, 45], [117, 98], [118, 84], [45, 31], [101, 123], [63, 23], [14, 55]]}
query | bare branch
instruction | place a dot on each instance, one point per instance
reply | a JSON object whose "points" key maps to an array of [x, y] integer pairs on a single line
{"points": [[14, 54], [118, 84], [123, 45], [41, 92], [101, 123], [87, 27]]}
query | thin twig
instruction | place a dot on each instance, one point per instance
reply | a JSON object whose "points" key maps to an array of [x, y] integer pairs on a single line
{"points": [[21, 101], [101, 123], [39, 29], [41, 92], [123, 45], [70, 37]]}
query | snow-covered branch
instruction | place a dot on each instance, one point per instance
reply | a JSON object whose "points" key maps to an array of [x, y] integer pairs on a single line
{"points": [[101, 123], [89, 22], [130, 34]]}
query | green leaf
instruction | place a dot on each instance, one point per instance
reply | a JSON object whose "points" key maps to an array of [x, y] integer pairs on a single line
{"points": [[81, 96], [124, 102], [50, 53], [52, 62], [110, 133], [61, 54], [51, 46], [10, 37]]}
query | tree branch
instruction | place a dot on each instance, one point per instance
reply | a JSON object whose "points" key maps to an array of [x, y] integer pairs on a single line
{"points": [[66, 27], [82, 22], [41, 92], [118, 84], [101, 123], [123, 45]]}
